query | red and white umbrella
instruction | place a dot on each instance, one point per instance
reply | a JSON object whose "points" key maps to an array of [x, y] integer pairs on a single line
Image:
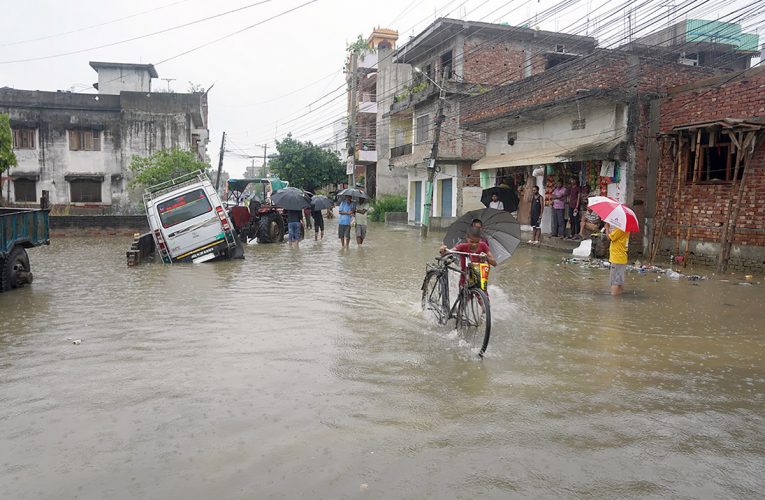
{"points": [[614, 213]]}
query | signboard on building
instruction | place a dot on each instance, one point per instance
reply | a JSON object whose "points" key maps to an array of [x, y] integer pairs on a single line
{"points": [[349, 166]]}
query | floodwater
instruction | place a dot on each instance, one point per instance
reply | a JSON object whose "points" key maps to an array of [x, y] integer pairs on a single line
{"points": [[312, 373]]}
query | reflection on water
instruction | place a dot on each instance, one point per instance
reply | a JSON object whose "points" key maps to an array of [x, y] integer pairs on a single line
{"points": [[312, 372]]}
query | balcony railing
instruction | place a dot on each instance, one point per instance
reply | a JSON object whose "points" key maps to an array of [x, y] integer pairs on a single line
{"points": [[406, 149]]}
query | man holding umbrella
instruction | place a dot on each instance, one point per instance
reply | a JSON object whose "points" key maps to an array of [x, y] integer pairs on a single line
{"points": [[344, 223]]}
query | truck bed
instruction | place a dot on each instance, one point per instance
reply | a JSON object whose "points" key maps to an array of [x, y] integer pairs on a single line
{"points": [[23, 226]]}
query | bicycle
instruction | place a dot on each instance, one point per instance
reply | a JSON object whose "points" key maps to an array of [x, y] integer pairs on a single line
{"points": [[471, 310]]}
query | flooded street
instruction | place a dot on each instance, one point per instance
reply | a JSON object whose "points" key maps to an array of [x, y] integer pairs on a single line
{"points": [[313, 374]]}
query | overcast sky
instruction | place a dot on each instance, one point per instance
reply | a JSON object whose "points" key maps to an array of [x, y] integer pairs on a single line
{"points": [[264, 76]]}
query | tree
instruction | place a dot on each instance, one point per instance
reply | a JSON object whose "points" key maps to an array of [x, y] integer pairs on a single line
{"points": [[306, 165], [7, 157], [164, 165]]}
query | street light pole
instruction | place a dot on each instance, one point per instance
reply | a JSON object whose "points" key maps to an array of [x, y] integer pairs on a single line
{"points": [[433, 155]]}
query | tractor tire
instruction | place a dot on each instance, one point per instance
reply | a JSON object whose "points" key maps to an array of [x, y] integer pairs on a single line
{"points": [[271, 229], [14, 270]]}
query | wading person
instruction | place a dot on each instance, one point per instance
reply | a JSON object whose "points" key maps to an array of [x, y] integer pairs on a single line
{"points": [[344, 222], [537, 208], [294, 224], [617, 257], [318, 225], [360, 214], [473, 245], [559, 207]]}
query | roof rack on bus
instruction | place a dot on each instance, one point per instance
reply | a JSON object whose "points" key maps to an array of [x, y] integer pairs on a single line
{"points": [[157, 190]]}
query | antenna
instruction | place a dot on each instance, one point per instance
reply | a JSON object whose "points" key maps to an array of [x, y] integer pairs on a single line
{"points": [[168, 80]]}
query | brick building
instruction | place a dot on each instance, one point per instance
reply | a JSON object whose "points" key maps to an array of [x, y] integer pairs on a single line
{"points": [[711, 172], [463, 58], [590, 118]]}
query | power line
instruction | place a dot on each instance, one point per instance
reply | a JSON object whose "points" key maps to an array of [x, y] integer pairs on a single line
{"points": [[166, 30], [85, 28]]}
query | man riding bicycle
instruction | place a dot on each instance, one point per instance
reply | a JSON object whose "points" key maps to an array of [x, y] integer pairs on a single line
{"points": [[474, 245]]}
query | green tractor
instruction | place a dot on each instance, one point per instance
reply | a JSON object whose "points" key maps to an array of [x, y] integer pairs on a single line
{"points": [[251, 209]]}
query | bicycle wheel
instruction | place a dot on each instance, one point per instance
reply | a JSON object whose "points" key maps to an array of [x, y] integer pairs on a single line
{"points": [[434, 296], [474, 318]]}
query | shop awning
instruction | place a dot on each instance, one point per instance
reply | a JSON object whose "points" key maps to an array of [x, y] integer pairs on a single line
{"points": [[611, 149], [519, 160]]}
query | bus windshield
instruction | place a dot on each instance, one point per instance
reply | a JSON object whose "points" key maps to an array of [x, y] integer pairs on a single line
{"points": [[183, 207]]}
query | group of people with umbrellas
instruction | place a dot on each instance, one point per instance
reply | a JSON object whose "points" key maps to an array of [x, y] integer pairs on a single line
{"points": [[299, 204]]}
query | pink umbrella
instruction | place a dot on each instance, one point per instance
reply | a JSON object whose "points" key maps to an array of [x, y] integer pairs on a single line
{"points": [[614, 213]]}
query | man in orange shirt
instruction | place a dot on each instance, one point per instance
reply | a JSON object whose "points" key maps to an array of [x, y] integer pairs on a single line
{"points": [[617, 257]]}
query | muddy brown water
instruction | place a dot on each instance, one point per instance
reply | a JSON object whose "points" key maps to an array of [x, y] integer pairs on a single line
{"points": [[313, 374]]}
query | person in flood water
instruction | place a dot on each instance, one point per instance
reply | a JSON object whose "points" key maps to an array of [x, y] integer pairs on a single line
{"points": [[294, 225], [344, 223], [473, 245], [617, 256]]}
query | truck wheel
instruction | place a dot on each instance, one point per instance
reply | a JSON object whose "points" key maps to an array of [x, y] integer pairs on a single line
{"points": [[15, 270], [270, 229]]}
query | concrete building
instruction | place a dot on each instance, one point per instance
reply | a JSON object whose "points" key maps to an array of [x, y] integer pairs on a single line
{"points": [[700, 42], [374, 75], [464, 58], [79, 146]]}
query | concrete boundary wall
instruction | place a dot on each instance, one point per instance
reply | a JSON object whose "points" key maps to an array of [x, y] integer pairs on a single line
{"points": [[87, 225]]}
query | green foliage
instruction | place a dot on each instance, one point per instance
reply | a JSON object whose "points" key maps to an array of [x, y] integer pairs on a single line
{"points": [[360, 47], [164, 165], [400, 97], [305, 165], [7, 157], [419, 87], [385, 204]]}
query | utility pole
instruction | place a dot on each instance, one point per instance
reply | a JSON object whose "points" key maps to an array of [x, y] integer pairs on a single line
{"points": [[265, 169], [432, 161], [352, 118], [220, 160], [168, 80]]}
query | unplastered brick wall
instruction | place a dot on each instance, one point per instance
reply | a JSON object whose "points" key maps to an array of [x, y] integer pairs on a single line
{"points": [[493, 63], [604, 69], [705, 207]]}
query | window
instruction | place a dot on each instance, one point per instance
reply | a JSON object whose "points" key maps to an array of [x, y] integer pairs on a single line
{"points": [[23, 138], [423, 128], [85, 190], [716, 159], [25, 190], [560, 47], [578, 124], [511, 138], [183, 207], [446, 65], [84, 140]]}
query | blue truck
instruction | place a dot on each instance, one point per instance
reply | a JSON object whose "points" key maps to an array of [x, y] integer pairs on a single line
{"points": [[20, 229]]}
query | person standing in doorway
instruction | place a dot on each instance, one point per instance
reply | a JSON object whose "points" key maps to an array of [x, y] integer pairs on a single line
{"points": [[360, 214], [495, 203], [559, 206], [573, 207], [344, 222], [617, 257], [294, 225], [537, 207]]}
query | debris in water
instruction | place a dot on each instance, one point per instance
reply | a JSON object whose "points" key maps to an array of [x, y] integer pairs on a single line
{"points": [[77, 341]]}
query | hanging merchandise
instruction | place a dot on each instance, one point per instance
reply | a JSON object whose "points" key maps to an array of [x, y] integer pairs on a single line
{"points": [[549, 185], [607, 169], [538, 171], [550, 170], [615, 177]]}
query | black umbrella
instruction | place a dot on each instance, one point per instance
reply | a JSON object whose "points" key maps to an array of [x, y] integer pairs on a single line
{"points": [[499, 227], [320, 202], [507, 196], [290, 198], [353, 192]]}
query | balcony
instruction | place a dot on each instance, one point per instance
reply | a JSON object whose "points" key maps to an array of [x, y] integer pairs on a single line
{"points": [[404, 150], [368, 61], [368, 103], [367, 150]]}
